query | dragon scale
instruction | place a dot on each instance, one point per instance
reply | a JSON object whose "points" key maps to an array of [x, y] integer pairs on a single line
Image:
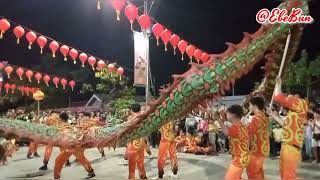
{"points": [[200, 83]]}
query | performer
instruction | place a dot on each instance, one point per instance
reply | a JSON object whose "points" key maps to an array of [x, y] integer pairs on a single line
{"points": [[53, 120], [66, 153], [238, 141], [259, 138], [33, 147], [293, 135], [180, 140], [7, 148], [167, 144]]}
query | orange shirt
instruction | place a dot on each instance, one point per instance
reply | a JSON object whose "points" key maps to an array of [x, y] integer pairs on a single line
{"points": [[259, 134], [190, 141], [137, 144], [239, 144], [167, 131], [293, 128]]}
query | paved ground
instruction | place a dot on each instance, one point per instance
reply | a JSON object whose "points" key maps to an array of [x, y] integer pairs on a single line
{"points": [[190, 167]]}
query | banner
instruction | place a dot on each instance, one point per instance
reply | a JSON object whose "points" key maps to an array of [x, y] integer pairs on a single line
{"points": [[141, 48]]}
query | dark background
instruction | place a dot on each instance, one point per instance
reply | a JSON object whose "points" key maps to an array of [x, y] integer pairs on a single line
{"points": [[205, 23]]}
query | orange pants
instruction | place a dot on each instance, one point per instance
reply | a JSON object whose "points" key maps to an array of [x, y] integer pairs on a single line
{"points": [[65, 155], [289, 159], [164, 148], [136, 157], [33, 147], [255, 168], [47, 153]]}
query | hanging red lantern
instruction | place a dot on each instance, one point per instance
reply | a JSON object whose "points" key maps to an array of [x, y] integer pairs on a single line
{"points": [[111, 67], [46, 79], [13, 88], [120, 71], [26, 90], [74, 54], [144, 21], [29, 74], [174, 40], [64, 83], [72, 84], [38, 77], [101, 64], [18, 31], [20, 72], [31, 37], [118, 5], [56, 80], [92, 61], [198, 55], [64, 50], [190, 51], [83, 58], [21, 89], [165, 36], [182, 45], [54, 46], [205, 57], [4, 26], [7, 87], [157, 30], [131, 11], [8, 70], [42, 42]]}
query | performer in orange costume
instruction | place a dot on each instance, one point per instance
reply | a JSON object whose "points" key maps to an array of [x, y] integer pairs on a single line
{"points": [[293, 131], [53, 120], [259, 135], [238, 141], [180, 141], [135, 149], [190, 142], [77, 152], [33, 147], [167, 144]]}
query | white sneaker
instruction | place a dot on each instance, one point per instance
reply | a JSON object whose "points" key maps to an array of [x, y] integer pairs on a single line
{"points": [[315, 162]]}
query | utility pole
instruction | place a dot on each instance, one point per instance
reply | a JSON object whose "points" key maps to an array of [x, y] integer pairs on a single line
{"points": [[145, 10]]}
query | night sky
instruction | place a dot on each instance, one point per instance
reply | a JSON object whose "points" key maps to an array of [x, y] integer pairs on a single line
{"points": [[207, 24]]}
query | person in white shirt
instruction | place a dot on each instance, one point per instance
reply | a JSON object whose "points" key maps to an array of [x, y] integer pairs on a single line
{"points": [[308, 138], [316, 134]]}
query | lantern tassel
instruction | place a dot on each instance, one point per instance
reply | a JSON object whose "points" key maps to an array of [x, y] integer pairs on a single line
{"points": [[74, 62], [8, 76], [182, 57], [20, 78], [92, 67], [65, 58], [198, 61], [131, 22], [157, 41], [174, 51], [29, 47], [118, 15], [191, 59], [29, 80], [98, 5], [1, 35], [71, 88], [120, 77], [41, 51], [18, 40], [165, 47], [82, 65], [47, 84], [38, 82], [56, 86], [53, 55]]}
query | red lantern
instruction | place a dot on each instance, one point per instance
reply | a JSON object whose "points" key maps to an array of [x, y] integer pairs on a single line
{"points": [[56, 80], [20, 72], [46, 79], [157, 30], [64, 50], [38, 77], [182, 47], [7, 87], [1, 66], [73, 54], [101, 65], [205, 57], [54, 46], [190, 51], [31, 37], [131, 11], [29, 74], [118, 5], [26, 90], [18, 32], [13, 88], [83, 58], [21, 89], [174, 40], [198, 55], [111, 67], [4, 26], [165, 36], [42, 42], [144, 21], [120, 71], [64, 83], [92, 61], [8, 70], [72, 84]]}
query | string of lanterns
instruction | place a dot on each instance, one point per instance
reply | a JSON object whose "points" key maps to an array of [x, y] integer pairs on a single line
{"points": [[159, 31], [33, 37], [20, 72], [24, 90]]}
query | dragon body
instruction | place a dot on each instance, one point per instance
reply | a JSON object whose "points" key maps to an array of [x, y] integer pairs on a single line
{"points": [[200, 83]]}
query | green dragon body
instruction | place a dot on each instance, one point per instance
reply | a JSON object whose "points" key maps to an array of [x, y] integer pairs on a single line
{"points": [[202, 82]]}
